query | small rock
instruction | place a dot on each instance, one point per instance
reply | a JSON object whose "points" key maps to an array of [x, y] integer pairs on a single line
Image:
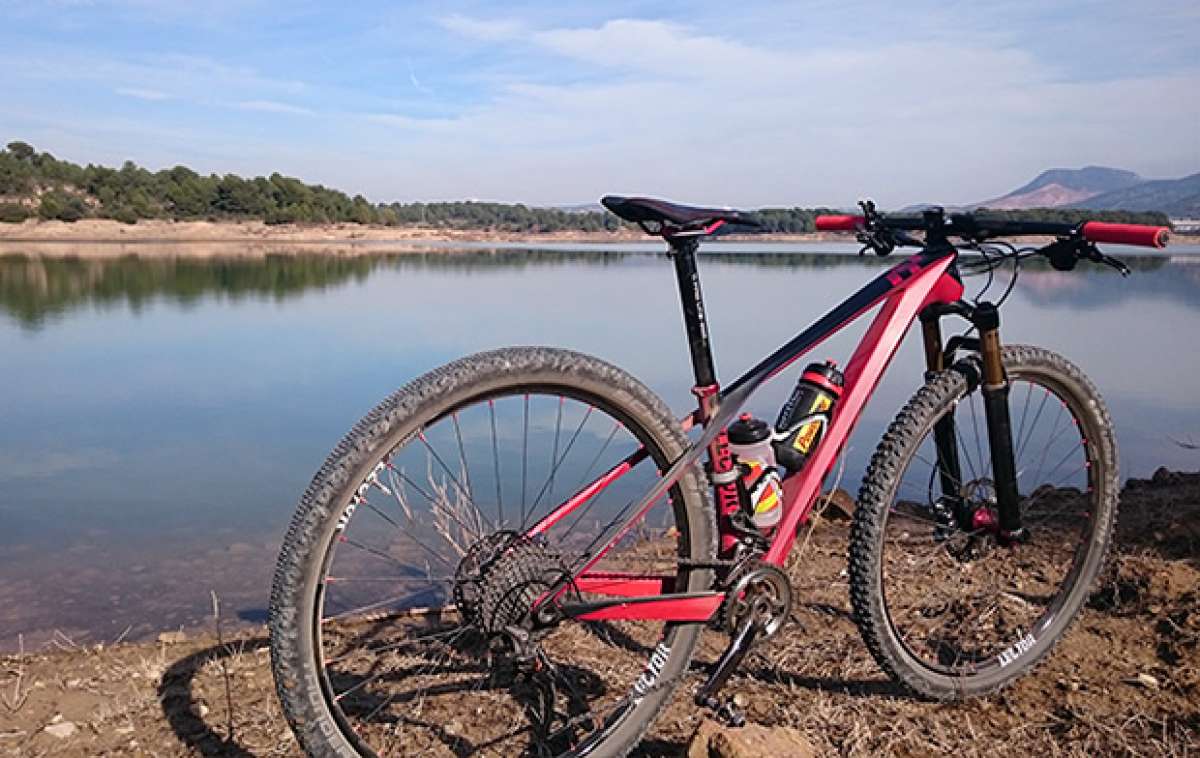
{"points": [[123, 730], [841, 505], [61, 730], [698, 746], [172, 638], [56, 719], [741, 700], [453, 728], [1147, 681], [755, 741], [202, 709]]}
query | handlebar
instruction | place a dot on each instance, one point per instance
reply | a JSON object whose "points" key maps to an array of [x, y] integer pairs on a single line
{"points": [[840, 223], [1126, 234], [980, 227]]}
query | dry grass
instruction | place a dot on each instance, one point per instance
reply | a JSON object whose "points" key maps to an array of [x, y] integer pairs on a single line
{"points": [[181, 699]]}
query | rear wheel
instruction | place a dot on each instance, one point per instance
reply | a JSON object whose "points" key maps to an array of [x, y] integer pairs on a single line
{"points": [[943, 607], [399, 611]]}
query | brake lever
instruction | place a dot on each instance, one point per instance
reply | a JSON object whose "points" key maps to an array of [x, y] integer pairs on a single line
{"points": [[1119, 265], [881, 243], [1092, 253]]}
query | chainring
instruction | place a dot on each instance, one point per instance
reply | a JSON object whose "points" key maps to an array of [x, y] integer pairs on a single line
{"points": [[758, 593]]}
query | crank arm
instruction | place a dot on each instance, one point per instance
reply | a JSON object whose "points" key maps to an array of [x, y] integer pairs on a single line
{"points": [[726, 665]]}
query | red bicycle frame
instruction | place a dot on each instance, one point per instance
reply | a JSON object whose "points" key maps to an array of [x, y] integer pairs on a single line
{"points": [[926, 279]]}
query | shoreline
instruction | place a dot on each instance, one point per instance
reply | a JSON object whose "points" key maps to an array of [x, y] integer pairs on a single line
{"points": [[108, 231], [105, 238]]}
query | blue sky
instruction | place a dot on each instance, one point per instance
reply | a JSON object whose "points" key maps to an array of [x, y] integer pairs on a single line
{"points": [[548, 102]]}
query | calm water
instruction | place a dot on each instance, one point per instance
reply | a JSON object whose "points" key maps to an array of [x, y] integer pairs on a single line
{"points": [[161, 417]]}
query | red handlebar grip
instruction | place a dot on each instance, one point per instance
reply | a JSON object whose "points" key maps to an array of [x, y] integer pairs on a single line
{"points": [[840, 223], [1126, 234]]}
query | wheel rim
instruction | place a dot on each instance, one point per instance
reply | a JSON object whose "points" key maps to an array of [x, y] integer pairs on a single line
{"points": [[958, 602], [404, 670]]}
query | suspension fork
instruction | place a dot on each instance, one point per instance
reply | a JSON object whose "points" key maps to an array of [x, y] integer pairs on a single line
{"points": [[986, 318]]}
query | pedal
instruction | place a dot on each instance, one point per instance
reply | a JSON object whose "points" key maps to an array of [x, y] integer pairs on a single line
{"points": [[728, 713]]}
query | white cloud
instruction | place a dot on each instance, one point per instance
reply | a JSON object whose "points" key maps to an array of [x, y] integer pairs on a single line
{"points": [[675, 112], [273, 106], [487, 31], [142, 94]]}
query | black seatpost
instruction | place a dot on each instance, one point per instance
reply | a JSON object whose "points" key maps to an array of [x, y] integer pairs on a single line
{"points": [[683, 252]]}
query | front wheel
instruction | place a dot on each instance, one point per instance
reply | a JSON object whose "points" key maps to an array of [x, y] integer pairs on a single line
{"points": [[400, 611], [944, 608]]}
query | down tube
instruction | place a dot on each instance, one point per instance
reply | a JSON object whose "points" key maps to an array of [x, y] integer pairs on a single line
{"points": [[863, 372]]}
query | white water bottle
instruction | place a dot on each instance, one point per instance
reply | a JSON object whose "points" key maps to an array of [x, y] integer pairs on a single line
{"points": [[750, 443]]}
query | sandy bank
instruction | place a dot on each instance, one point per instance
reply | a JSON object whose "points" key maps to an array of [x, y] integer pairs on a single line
{"points": [[107, 238]]}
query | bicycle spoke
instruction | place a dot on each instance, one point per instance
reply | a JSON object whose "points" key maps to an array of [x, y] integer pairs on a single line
{"points": [[466, 469], [550, 479], [524, 459], [962, 447], [554, 452], [466, 492], [986, 469], [496, 462], [436, 505], [1033, 424], [373, 606]]}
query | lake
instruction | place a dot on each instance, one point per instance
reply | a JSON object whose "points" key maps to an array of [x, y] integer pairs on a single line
{"points": [[161, 416]]}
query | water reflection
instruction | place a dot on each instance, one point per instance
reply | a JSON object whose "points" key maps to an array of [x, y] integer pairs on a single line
{"points": [[36, 289], [162, 415]]}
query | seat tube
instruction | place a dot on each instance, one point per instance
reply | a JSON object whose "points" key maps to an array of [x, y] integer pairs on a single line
{"points": [[949, 470], [683, 252], [721, 471], [995, 404]]}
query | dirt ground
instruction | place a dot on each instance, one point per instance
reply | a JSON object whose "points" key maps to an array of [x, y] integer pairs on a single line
{"points": [[1126, 680]]}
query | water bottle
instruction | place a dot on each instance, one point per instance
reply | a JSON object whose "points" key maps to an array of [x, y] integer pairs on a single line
{"points": [[805, 416], [750, 443]]}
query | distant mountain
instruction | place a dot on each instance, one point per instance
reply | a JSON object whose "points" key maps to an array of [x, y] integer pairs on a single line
{"points": [[1102, 188], [1065, 186], [1179, 198]]}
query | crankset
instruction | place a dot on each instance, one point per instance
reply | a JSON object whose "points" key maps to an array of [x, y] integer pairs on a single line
{"points": [[757, 606]]}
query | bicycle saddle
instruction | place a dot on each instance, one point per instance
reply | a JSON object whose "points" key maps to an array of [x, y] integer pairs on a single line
{"points": [[648, 210]]}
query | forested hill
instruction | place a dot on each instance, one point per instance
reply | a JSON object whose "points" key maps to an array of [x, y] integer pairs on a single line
{"points": [[37, 185]]}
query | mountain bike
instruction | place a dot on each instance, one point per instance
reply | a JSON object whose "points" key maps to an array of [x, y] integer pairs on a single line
{"points": [[517, 552]]}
